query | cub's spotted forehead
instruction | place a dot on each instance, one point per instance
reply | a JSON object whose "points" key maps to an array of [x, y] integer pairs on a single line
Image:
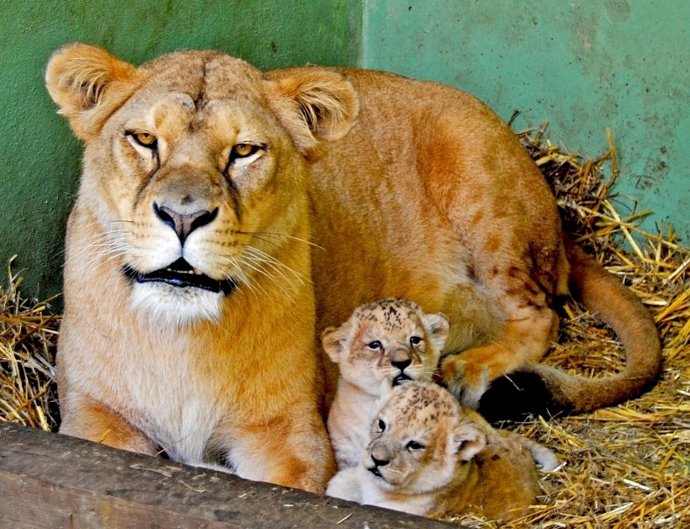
{"points": [[425, 402], [389, 313]]}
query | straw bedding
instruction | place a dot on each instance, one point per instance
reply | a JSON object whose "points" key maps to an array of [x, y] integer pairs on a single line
{"points": [[626, 466]]}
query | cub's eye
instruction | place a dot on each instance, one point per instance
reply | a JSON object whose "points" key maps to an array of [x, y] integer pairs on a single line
{"points": [[414, 446], [242, 150], [381, 425], [415, 340], [145, 139], [375, 345]]}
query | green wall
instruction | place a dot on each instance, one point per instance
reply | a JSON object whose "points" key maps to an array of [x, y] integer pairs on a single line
{"points": [[39, 158], [583, 66]]}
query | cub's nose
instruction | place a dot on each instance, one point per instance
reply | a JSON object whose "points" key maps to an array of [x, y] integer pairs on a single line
{"points": [[184, 223], [401, 364], [379, 455], [379, 462]]}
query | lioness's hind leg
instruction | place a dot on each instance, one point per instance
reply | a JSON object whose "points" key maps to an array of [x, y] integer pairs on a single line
{"points": [[506, 219], [529, 326], [469, 374]]}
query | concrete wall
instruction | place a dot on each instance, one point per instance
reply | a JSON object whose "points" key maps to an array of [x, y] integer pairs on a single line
{"points": [[39, 158], [581, 65]]}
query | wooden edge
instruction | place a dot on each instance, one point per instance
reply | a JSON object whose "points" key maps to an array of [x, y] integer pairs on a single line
{"points": [[52, 481]]}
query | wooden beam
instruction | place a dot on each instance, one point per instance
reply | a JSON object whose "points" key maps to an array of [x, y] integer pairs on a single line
{"points": [[51, 481]]}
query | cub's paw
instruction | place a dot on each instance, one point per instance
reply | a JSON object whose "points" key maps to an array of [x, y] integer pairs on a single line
{"points": [[467, 381]]}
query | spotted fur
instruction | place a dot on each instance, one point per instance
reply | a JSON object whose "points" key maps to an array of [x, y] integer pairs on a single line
{"points": [[382, 343]]}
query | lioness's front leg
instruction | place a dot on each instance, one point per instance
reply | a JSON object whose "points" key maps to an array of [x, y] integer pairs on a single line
{"points": [[88, 419], [291, 451]]}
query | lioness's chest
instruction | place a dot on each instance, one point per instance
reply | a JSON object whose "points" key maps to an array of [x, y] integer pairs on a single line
{"points": [[154, 382], [174, 406]]}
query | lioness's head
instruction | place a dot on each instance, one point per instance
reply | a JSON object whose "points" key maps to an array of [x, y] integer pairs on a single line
{"points": [[195, 167], [420, 440], [386, 342]]}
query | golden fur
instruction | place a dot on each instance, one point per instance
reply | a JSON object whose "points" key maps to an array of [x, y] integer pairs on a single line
{"points": [[426, 455], [409, 189], [225, 374], [383, 343]]}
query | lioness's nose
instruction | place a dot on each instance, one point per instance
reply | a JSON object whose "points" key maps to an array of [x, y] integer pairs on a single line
{"points": [[184, 223]]}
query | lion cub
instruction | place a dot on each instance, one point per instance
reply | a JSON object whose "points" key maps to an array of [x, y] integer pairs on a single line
{"points": [[428, 455], [382, 344]]}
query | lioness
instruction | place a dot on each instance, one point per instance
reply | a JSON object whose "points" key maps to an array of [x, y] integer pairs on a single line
{"points": [[215, 200], [425, 455], [382, 344]]}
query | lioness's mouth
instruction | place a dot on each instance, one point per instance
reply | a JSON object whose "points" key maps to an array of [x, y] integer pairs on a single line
{"points": [[181, 274]]}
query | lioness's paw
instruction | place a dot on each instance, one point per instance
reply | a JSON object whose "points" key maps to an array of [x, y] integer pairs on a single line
{"points": [[467, 381]]}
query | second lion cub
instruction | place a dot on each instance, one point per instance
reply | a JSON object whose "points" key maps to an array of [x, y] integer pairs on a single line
{"points": [[382, 344], [427, 455]]}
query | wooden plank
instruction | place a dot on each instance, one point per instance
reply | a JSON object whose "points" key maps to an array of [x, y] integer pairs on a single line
{"points": [[51, 481]]}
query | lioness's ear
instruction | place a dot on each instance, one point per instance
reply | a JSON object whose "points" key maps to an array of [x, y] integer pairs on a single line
{"points": [[314, 105], [332, 340], [88, 84], [437, 327], [468, 439]]}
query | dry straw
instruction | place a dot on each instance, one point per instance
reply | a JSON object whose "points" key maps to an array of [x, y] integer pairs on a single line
{"points": [[28, 335], [624, 467]]}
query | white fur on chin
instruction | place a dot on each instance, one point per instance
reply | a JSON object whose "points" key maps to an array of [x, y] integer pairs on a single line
{"points": [[167, 305]]}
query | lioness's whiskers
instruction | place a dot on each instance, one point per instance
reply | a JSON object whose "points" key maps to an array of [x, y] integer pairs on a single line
{"points": [[256, 265], [275, 263], [242, 274], [260, 261], [284, 235], [108, 246]]}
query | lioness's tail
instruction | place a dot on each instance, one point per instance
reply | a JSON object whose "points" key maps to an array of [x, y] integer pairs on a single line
{"points": [[544, 389]]}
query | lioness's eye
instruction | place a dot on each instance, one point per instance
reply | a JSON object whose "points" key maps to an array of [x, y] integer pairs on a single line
{"points": [[375, 345], [414, 445], [145, 139], [381, 425], [415, 340], [242, 150]]}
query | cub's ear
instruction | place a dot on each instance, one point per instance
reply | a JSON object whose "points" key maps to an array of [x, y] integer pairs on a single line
{"points": [[468, 439], [314, 105], [437, 327], [333, 340], [88, 84]]}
